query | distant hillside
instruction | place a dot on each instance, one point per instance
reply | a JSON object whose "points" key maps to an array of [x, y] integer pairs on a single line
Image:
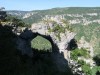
{"points": [[70, 13], [17, 13]]}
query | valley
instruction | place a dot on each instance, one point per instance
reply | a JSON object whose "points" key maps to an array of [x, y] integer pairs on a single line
{"points": [[57, 41]]}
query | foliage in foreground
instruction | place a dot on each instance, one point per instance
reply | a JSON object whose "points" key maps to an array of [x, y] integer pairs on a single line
{"points": [[88, 70], [79, 53]]}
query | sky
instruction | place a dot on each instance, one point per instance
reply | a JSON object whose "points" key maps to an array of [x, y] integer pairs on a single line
{"points": [[28, 5]]}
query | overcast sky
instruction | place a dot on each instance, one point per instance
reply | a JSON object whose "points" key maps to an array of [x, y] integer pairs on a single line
{"points": [[46, 4]]}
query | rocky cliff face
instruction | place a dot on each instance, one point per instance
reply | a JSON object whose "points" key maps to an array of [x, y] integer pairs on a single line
{"points": [[65, 37]]}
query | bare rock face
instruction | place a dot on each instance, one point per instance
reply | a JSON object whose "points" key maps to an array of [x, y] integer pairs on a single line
{"points": [[63, 44], [40, 28]]}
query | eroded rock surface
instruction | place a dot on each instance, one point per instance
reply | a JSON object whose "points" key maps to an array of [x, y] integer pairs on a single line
{"points": [[62, 43]]}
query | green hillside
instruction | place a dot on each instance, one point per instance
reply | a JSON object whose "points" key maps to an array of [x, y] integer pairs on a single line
{"points": [[56, 11]]}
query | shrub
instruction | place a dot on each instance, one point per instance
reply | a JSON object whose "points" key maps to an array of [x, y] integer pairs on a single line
{"points": [[79, 52], [86, 69]]}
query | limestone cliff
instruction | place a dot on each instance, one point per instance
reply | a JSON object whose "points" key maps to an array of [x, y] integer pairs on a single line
{"points": [[65, 37]]}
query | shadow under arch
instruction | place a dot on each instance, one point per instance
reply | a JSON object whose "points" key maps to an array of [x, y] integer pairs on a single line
{"points": [[72, 45]]}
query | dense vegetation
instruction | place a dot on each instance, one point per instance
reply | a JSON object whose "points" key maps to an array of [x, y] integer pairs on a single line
{"points": [[79, 53], [86, 68]]}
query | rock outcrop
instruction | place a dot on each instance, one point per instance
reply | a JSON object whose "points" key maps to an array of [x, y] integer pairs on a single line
{"points": [[62, 44]]}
